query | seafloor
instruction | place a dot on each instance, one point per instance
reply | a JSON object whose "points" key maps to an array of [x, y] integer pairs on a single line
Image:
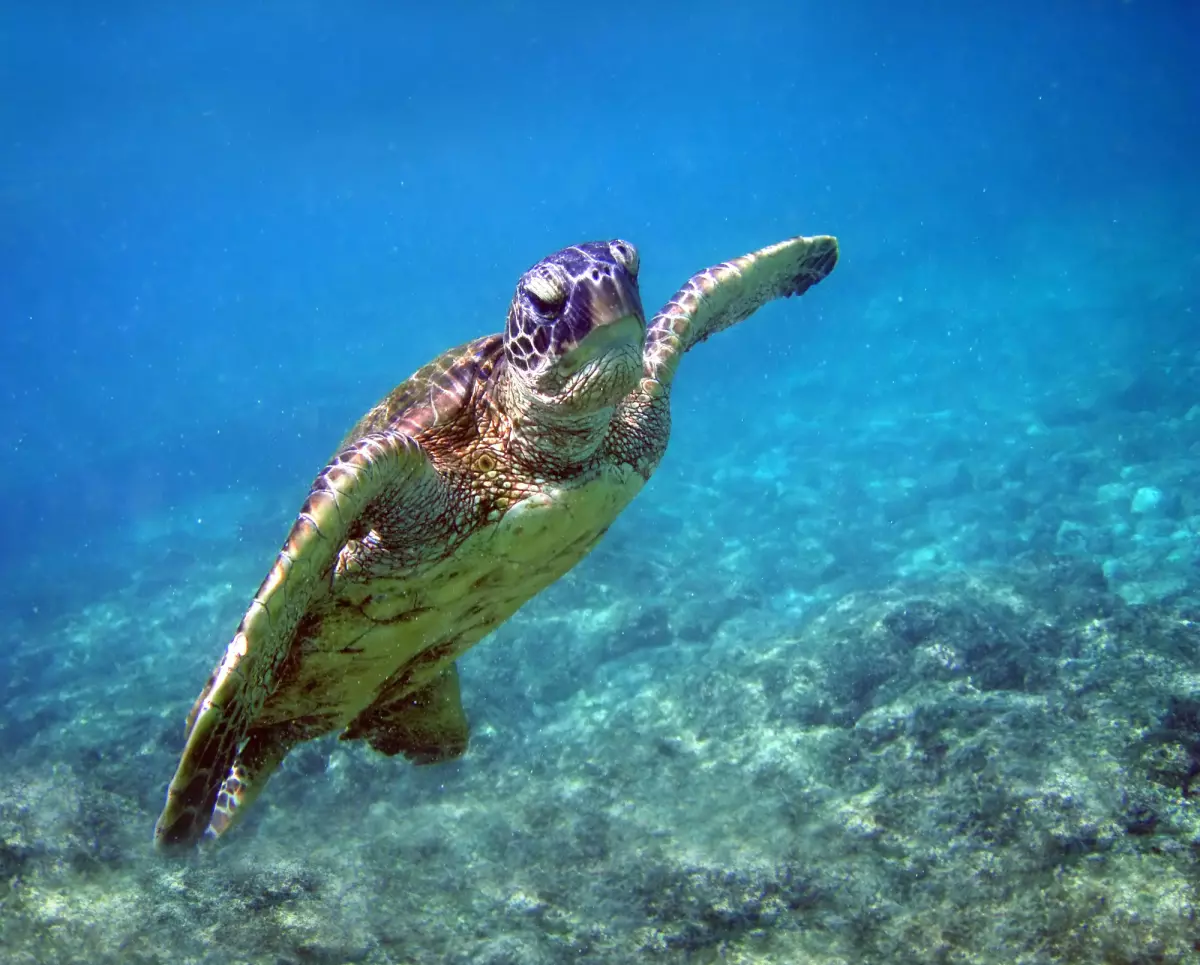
{"points": [[915, 682]]}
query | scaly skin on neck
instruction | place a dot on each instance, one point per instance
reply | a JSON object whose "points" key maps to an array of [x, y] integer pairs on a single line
{"points": [[543, 439]]}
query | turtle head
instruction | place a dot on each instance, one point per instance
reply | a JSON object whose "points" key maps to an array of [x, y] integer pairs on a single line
{"points": [[576, 327]]}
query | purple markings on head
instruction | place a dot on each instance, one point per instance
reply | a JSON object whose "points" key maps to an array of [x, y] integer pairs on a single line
{"points": [[597, 286]]}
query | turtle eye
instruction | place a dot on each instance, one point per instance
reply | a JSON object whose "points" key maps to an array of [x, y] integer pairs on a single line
{"points": [[547, 295], [627, 255]]}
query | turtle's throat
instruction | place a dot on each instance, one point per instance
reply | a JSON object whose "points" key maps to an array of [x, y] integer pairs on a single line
{"points": [[542, 436]]}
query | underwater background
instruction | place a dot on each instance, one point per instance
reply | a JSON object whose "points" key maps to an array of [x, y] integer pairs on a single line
{"points": [[896, 660]]}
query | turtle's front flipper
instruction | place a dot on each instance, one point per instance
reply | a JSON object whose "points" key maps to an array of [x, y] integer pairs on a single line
{"points": [[730, 292], [427, 726], [384, 469]]}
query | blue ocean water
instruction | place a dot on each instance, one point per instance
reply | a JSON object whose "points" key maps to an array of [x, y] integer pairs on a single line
{"points": [[906, 615]]}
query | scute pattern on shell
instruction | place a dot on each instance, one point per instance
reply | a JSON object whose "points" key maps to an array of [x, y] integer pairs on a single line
{"points": [[438, 391]]}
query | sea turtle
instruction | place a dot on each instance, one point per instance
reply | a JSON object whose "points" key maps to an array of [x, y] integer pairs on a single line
{"points": [[473, 486]]}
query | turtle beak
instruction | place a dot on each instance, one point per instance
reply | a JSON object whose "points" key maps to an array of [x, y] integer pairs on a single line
{"points": [[609, 315], [615, 299]]}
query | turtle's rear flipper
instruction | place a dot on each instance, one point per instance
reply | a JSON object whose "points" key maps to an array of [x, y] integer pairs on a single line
{"points": [[427, 726], [344, 496], [251, 770]]}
